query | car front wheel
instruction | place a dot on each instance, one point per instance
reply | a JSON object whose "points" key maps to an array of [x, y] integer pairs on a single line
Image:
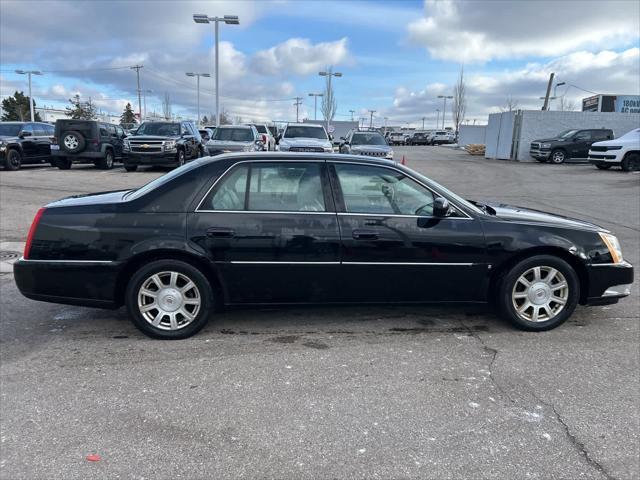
{"points": [[180, 158], [539, 293], [558, 156], [631, 162], [13, 160], [169, 299]]}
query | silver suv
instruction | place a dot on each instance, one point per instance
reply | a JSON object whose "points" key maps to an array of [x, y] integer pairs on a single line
{"points": [[234, 138], [370, 143], [304, 137]]}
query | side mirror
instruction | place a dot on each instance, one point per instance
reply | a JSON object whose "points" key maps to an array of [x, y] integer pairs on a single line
{"points": [[441, 207]]}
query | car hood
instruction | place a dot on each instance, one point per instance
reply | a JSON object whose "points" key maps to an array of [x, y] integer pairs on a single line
{"points": [[305, 142], [115, 196], [530, 216], [153, 137], [548, 140], [8, 138], [616, 142]]}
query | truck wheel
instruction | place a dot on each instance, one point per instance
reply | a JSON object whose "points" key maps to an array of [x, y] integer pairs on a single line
{"points": [[180, 158], [631, 162], [130, 168], [13, 160], [558, 156], [63, 163], [106, 162], [603, 167]]}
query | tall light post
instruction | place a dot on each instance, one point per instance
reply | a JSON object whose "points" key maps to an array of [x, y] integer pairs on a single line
{"points": [[444, 106], [229, 20], [437, 117], [315, 103], [197, 75], [29, 73], [352, 112], [329, 90], [423, 122], [144, 100], [371, 112]]}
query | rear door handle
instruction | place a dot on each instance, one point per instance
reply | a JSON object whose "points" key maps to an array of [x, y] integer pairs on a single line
{"points": [[364, 235], [220, 233]]}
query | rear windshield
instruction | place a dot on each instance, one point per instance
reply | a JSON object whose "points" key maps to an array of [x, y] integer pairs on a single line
{"points": [[160, 129], [306, 132], [368, 139], [9, 130], [234, 134]]}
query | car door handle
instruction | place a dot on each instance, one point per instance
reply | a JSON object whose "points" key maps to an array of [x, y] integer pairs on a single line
{"points": [[364, 235], [220, 233]]}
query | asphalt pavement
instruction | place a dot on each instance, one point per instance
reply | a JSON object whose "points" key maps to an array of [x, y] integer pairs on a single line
{"points": [[314, 392]]}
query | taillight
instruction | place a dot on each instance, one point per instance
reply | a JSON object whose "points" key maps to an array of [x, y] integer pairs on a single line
{"points": [[264, 138], [32, 231]]}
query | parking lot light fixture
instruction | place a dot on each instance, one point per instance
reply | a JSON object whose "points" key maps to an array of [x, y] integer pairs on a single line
{"points": [[229, 20], [329, 74], [315, 103], [29, 73], [198, 75], [444, 106]]}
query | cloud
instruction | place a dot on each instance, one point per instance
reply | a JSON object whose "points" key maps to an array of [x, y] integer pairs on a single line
{"points": [[299, 56], [485, 30]]}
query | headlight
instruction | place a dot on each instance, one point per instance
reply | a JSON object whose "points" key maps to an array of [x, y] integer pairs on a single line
{"points": [[3, 146], [613, 245], [170, 145], [126, 145], [545, 145], [328, 149], [389, 154]]}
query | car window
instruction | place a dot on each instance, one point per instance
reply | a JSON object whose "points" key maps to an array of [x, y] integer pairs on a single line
{"points": [[600, 135], [379, 190], [27, 127], [112, 130], [103, 130], [286, 187], [38, 130], [229, 194], [49, 129], [583, 135], [261, 128]]}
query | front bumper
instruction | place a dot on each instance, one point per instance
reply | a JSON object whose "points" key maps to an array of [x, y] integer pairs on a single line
{"points": [[608, 283], [164, 158], [543, 154], [604, 159]]}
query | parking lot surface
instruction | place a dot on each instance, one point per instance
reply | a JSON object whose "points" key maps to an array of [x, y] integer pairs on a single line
{"points": [[327, 392]]}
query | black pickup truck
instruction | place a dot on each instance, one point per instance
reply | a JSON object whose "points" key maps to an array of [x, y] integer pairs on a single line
{"points": [[570, 144], [163, 144]]}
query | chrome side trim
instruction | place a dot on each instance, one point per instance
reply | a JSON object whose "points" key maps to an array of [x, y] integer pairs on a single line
{"points": [[384, 215], [295, 212], [22, 259], [429, 264], [624, 263], [259, 262]]}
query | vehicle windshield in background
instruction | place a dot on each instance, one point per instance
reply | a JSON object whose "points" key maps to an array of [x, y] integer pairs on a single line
{"points": [[306, 132], [8, 130], [159, 129], [261, 128], [567, 133], [233, 134], [367, 139], [441, 133]]}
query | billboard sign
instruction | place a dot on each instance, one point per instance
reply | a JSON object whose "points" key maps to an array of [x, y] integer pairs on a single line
{"points": [[627, 104]]}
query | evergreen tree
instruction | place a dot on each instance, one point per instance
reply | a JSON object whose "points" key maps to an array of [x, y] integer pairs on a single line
{"points": [[16, 109], [205, 120], [81, 110], [128, 118]]}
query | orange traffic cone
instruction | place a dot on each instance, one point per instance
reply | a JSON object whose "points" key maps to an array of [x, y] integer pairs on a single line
{"points": [[402, 162]]}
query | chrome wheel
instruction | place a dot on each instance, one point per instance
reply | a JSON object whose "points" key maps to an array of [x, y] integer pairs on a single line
{"points": [[540, 294], [558, 156], [169, 300], [71, 142]]}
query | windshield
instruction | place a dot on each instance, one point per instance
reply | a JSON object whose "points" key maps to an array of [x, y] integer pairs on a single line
{"points": [[567, 133], [159, 129], [234, 134], [306, 132], [9, 129], [368, 139]]}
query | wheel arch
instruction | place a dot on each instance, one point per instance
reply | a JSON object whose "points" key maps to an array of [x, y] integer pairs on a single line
{"points": [[578, 266], [631, 152]]}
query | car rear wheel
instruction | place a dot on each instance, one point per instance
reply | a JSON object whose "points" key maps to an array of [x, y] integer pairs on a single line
{"points": [[558, 156], [14, 160], [169, 299], [106, 162], [631, 162], [539, 293], [73, 142], [603, 167]]}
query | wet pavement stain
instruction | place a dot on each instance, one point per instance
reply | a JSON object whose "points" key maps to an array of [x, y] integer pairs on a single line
{"points": [[285, 339], [316, 345]]}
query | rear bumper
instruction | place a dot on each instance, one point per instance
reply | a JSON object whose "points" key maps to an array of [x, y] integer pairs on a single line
{"points": [[81, 157], [608, 283], [85, 283]]}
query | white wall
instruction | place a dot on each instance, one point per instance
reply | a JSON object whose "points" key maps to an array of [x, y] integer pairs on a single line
{"points": [[499, 135], [469, 134]]}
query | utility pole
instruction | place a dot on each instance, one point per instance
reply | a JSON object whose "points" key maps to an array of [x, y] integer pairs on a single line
{"points": [[315, 103], [371, 112], [545, 106], [423, 122], [137, 69], [297, 104], [444, 106], [352, 112], [29, 73]]}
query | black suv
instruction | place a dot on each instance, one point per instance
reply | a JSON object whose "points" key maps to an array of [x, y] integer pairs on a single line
{"points": [[87, 141], [163, 144], [24, 143], [420, 138], [570, 144]]}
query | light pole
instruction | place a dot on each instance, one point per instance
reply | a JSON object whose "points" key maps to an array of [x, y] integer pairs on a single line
{"points": [[315, 103], [29, 73], [437, 117], [144, 100], [229, 20], [423, 122], [329, 90], [371, 112], [352, 112], [385, 125], [444, 106], [197, 75]]}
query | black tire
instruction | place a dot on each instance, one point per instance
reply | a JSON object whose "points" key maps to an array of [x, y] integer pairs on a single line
{"points": [[63, 163], [558, 156], [509, 286], [73, 142], [631, 162], [180, 158], [106, 162], [130, 167], [603, 167], [184, 270], [541, 160], [13, 160]]}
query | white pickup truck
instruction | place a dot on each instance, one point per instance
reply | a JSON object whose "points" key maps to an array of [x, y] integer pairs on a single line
{"points": [[621, 152]]}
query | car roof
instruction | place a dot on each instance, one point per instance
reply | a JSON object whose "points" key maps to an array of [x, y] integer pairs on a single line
{"points": [[303, 156]]}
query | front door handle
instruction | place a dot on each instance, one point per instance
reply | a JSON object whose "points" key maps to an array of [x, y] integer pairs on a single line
{"points": [[364, 235], [220, 233]]}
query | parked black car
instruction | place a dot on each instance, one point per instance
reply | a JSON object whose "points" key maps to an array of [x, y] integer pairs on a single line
{"points": [[419, 138], [310, 228], [23, 143], [163, 144], [87, 141], [570, 144]]}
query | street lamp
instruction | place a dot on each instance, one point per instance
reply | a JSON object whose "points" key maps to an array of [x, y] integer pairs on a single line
{"points": [[329, 91], [444, 106], [198, 75], [437, 117], [29, 73], [229, 20], [315, 103], [352, 112]]}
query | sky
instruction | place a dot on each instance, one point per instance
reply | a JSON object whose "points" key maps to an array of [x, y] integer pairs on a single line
{"points": [[396, 56]]}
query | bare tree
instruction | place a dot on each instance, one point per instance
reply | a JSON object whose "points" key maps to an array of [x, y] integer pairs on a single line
{"points": [[329, 104], [510, 104], [459, 100], [225, 117], [566, 105], [166, 106]]}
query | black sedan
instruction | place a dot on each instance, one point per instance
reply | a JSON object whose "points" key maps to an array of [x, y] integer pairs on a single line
{"points": [[310, 228]]}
